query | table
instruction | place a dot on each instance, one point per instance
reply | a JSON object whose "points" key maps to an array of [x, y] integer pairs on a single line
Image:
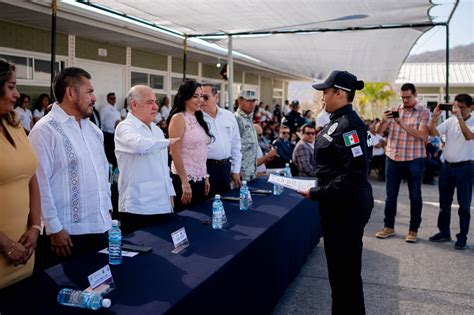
{"points": [[244, 268]]}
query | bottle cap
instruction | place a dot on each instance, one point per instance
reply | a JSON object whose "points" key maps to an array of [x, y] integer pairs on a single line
{"points": [[244, 182], [115, 222], [217, 196], [106, 302]]}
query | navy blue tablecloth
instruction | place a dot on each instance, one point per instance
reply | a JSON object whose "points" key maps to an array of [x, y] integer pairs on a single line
{"points": [[244, 268]]}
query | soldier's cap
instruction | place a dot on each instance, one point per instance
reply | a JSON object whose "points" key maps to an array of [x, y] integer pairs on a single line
{"points": [[248, 95], [341, 80]]}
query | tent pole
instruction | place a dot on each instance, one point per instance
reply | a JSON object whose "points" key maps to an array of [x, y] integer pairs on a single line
{"points": [[447, 63], [230, 75], [185, 54], [53, 46]]}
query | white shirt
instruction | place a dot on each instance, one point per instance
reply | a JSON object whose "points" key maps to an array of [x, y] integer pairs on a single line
{"points": [[25, 117], [158, 118], [322, 119], [165, 111], [38, 113], [72, 174], [226, 141], [108, 117], [144, 184], [376, 139], [457, 148], [262, 168], [263, 113]]}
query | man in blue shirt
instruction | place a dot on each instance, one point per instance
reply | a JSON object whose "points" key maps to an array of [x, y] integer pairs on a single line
{"points": [[284, 148]]}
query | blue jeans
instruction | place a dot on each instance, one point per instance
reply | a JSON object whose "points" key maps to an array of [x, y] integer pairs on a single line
{"points": [[458, 178], [412, 171]]}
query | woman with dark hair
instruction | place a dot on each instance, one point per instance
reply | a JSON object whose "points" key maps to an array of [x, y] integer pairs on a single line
{"points": [[20, 208], [24, 113], [190, 178], [41, 104]]}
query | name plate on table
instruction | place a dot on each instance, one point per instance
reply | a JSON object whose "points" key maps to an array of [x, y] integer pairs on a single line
{"points": [[180, 240], [101, 281], [292, 183]]}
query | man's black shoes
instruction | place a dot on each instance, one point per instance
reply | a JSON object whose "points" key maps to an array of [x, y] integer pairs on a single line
{"points": [[440, 237]]}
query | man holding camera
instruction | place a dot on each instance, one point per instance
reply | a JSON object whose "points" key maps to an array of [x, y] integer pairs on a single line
{"points": [[408, 130], [455, 172]]}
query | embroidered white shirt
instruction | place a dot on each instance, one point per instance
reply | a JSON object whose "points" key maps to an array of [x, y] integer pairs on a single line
{"points": [[226, 144], [72, 174], [108, 117], [145, 185]]}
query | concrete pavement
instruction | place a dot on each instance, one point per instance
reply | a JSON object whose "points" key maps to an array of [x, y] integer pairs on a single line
{"points": [[399, 278]]}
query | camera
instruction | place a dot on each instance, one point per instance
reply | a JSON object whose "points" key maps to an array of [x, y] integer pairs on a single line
{"points": [[446, 106]]}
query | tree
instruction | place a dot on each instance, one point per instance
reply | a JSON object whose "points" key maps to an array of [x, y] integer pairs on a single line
{"points": [[377, 95]]}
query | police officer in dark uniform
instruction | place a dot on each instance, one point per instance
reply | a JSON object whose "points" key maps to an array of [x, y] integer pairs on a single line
{"points": [[342, 152]]}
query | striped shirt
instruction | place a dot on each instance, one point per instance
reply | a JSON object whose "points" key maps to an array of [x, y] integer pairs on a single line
{"points": [[402, 146]]}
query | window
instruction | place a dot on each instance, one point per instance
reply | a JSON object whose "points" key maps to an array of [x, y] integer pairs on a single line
{"points": [[33, 68], [139, 78], [24, 69], [154, 81], [176, 83], [277, 96], [157, 81], [42, 70]]}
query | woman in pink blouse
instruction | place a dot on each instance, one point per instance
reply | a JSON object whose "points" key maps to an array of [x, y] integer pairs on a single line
{"points": [[189, 171]]}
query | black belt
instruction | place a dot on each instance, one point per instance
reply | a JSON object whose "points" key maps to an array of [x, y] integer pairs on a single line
{"points": [[458, 164], [219, 162]]}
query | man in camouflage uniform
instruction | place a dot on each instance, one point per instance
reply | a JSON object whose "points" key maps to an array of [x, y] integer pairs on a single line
{"points": [[248, 135]]}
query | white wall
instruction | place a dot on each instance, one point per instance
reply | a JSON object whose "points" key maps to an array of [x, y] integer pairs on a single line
{"points": [[106, 78]]}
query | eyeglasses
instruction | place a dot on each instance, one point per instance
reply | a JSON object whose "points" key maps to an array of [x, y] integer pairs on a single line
{"points": [[206, 97], [310, 133]]}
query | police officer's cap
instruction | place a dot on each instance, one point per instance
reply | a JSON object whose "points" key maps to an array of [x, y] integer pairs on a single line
{"points": [[341, 80]]}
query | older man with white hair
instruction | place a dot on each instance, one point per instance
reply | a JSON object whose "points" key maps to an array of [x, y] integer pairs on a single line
{"points": [[145, 188]]}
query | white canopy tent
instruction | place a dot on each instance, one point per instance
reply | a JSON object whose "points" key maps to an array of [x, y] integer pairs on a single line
{"points": [[373, 55], [310, 38]]}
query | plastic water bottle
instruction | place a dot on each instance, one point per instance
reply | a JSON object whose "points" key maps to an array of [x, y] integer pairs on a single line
{"points": [[218, 213], [277, 189], [115, 244], [82, 299], [288, 170], [221, 206], [244, 196]]}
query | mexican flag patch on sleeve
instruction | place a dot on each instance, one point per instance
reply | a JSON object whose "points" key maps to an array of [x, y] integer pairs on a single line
{"points": [[351, 138]]}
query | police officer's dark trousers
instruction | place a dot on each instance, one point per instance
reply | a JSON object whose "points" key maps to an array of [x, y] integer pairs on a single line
{"points": [[343, 227]]}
